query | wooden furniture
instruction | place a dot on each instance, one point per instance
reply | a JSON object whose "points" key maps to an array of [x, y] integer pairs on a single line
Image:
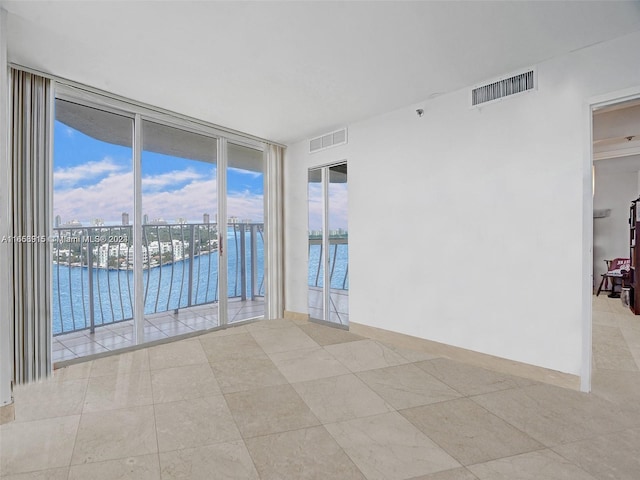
{"points": [[618, 273], [634, 254]]}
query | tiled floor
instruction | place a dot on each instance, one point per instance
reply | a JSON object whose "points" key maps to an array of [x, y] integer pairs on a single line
{"points": [[70, 346], [286, 400]]}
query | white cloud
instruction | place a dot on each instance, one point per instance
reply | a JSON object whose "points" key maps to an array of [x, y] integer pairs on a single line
{"points": [[245, 172], [113, 195], [176, 177], [338, 206], [67, 177]]}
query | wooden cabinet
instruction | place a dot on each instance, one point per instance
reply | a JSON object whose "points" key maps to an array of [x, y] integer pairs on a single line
{"points": [[634, 254]]}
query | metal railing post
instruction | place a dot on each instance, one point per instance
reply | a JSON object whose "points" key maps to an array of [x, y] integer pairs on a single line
{"points": [[90, 275], [254, 260], [243, 263], [192, 251]]}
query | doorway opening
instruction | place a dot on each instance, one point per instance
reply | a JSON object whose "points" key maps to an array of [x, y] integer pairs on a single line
{"points": [[613, 347]]}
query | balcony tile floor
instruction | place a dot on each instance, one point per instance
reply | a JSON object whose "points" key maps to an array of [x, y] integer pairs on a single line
{"points": [[325, 404], [70, 346]]}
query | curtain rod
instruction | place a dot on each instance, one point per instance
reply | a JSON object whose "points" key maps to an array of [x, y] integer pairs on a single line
{"points": [[136, 103]]}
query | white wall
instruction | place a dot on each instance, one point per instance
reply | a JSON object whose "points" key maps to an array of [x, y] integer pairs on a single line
{"points": [[466, 225], [614, 191], [6, 360]]}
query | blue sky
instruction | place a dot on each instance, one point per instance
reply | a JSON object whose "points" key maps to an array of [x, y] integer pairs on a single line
{"points": [[94, 179]]}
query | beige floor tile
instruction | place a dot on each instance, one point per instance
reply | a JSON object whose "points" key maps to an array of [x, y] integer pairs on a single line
{"points": [[306, 454], [176, 354], [115, 434], [542, 464], [223, 332], [341, 398], [471, 380], [600, 304], [611, 351], [614, 456], [270, 323], [52, 474], [468, 432], [326, 335], [37, 445], [621, 389], [608, 319], [411, 354], [406, 386], [307, 364], [387, 446], [238, 374], [453, 474], [273, 340], [73, 372], [554, 415], [222, 461], [365, 355], [132, 468], [118, 391], [49, 398], [183, 383], [195, 422], [229, 347], [121, 364], [269, 410]]}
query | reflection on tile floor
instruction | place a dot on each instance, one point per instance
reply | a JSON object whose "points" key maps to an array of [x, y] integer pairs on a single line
{"points": [[158, 326], [325, 404]]}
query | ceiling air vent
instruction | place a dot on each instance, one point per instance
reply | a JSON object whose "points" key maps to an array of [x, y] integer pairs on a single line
{"points": [[503, 87], [333, 139]]}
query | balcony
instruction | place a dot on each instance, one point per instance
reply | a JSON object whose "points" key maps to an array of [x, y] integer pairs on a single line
{"points": [[93, 282]]}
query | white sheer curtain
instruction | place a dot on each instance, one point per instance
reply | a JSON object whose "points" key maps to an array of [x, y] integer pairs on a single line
{"points": [[274, 216], [30, 129]]}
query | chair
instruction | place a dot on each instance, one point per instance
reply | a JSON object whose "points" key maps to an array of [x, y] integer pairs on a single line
{"points": [[618, 272]]}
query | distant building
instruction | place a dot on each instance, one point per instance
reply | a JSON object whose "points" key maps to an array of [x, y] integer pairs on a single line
{"points": [[205, 219], [125, 218], [58, 221], [72, 224]]}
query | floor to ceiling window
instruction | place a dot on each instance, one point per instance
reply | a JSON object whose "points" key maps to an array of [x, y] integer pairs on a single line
{"points": [[92, 243], [179, 231], [245, 233], [145, 246]]}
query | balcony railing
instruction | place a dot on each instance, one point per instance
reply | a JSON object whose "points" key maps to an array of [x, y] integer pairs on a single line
{"points": [[93, 270], [338, 262]]}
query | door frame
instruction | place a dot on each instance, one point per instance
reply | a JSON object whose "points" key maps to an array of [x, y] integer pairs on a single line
{"points": [[592, 104]]}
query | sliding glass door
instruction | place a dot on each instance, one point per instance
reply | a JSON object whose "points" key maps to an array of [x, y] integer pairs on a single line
{"points": [[140, 254], [328, 277], [245, 233], [179, 231], [93, 198]]}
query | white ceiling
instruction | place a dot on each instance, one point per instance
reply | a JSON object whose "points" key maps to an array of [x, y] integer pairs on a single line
{"points": [[289, 70]]}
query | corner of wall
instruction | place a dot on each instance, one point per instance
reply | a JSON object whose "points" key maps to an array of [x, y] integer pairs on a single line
{"points": [[6, 360]]}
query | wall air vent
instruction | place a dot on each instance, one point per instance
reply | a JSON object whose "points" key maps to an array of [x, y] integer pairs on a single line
{"points": [[333, 139], [503, 87]]}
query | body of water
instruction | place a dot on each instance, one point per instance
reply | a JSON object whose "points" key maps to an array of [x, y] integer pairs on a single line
{"points": [[166, 287]]}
